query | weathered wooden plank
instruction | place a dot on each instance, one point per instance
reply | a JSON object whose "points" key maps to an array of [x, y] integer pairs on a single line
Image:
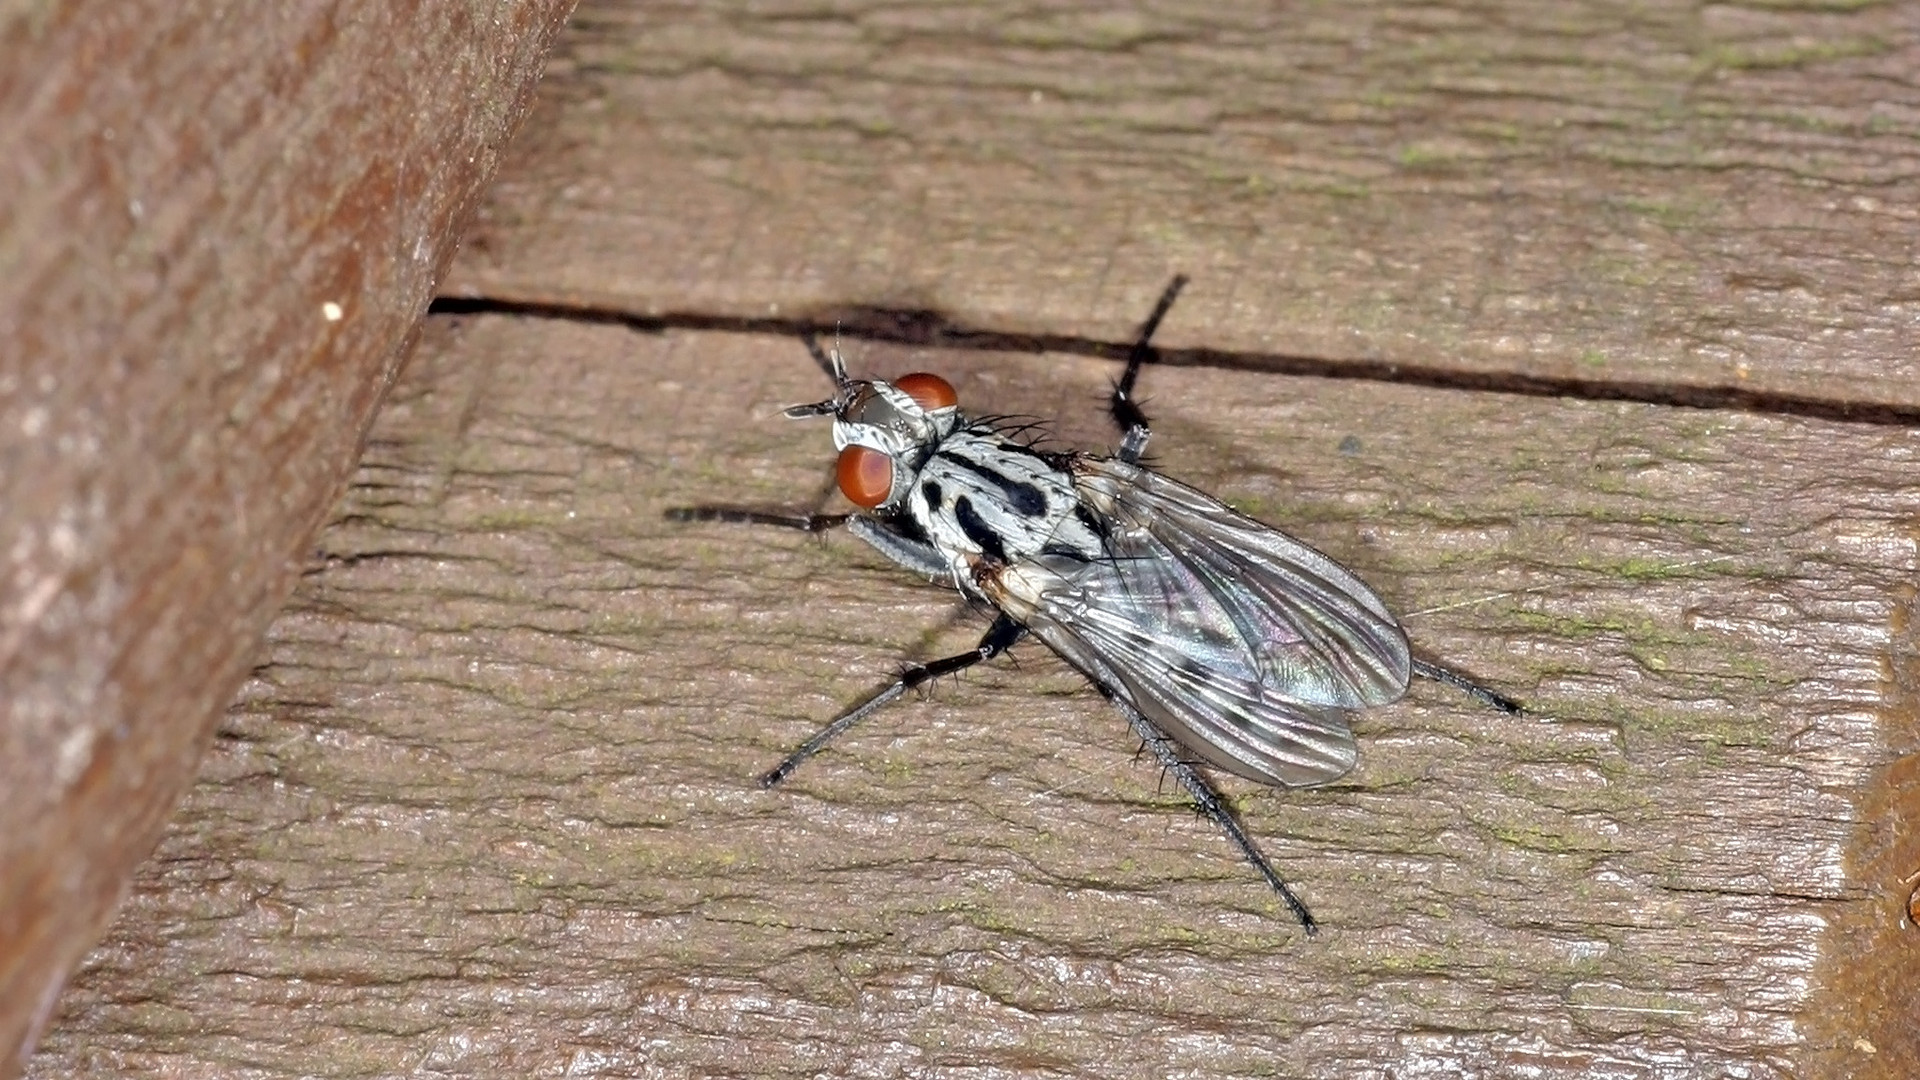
{"points": [[218, 226], [1611, 193], [488, 804]]}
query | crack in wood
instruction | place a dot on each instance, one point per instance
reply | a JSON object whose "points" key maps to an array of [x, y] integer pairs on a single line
{"points": [[926, 328]]}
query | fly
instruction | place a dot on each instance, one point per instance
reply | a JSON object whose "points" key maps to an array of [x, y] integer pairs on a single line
{"points": [[1224, 643]]}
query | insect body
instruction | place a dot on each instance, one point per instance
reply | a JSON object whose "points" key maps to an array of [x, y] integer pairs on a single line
{"points": [[1218, 638]]}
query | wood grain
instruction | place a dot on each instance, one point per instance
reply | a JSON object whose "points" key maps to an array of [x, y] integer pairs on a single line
{"points": [[1689, 195], [487, 805]]}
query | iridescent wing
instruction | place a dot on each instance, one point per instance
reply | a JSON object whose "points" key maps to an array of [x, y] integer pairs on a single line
{"points": [[1244, 645]]}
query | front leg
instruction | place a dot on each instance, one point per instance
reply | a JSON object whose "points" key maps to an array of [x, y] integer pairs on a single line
{"points": [[915, 554], [812, 521], [911, 552], [740, 515]]}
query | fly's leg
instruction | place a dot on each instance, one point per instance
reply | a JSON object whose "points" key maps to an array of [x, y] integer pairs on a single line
{"points": [[998, 639], [1468, 686], [916, 555], [1209, 802], [739, 515], [1134, 431], [812, 521]]}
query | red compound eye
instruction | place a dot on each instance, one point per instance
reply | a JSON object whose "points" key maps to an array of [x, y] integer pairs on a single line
{"points": [[865, 475], [930, 391]]}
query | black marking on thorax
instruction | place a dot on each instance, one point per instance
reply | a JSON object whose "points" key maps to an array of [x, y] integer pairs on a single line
{"points": [[977, 530], [1023, 498]]}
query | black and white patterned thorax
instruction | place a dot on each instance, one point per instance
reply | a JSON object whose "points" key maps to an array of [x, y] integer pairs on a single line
{"points": [[980, 495], [955, 492]]}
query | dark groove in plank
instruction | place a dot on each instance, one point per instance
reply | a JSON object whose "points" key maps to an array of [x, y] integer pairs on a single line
{"points": [[932, 329]]}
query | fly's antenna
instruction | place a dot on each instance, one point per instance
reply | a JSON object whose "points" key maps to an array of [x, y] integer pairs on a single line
{"points": [[831, 362]]}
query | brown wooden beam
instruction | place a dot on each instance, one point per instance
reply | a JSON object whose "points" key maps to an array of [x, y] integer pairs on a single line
{"points": [[219, 226]]}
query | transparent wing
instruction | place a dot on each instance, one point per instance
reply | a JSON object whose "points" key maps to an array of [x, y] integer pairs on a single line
{"points": [[1241, 643], [1319, 631]]}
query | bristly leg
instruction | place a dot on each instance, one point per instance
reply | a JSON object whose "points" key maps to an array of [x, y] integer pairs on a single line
{"points": [[1134, 430], [1472, 689], [739, 515], [998, 639], [1209, 803]]}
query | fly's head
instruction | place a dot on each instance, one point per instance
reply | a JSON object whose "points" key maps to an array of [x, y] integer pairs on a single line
{"points": [[884, 431]]}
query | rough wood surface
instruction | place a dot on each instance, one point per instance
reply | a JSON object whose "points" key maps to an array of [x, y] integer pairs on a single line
{"points": [[1616, 193], [219, 224], [487, 807]]}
